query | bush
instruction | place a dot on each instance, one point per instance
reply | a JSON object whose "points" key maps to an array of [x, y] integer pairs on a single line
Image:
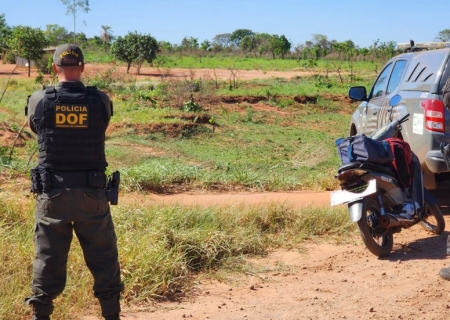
{"points": [[44, 64], [9, 58]]}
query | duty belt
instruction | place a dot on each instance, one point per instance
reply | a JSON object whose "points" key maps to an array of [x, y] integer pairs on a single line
{"points": [[45, 180]]}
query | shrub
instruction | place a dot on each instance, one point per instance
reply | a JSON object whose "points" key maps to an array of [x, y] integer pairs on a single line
{"points": [[9, 58]]}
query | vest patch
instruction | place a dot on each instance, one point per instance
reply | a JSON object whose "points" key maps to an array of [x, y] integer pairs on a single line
{"points": [[72, 116]]}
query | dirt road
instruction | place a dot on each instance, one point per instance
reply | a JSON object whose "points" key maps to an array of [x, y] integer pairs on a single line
{"points": [[321, 280], [149, 73]]}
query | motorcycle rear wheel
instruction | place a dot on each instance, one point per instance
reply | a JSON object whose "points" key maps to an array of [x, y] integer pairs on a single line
{"points": [[433, 220], [377, 239]]}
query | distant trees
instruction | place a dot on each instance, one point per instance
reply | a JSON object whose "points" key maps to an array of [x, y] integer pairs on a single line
{"points": [[444, 35], [189, 44], [72, 7], [138, 48], [5, 34], [279, 46], [28, 43], [106, 36], [239, 34], [265, 43], [221, 41], [135, 47], [205, 45], [257, 44], [56, 35]]}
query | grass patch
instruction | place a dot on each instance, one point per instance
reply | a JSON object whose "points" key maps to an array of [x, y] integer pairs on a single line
{"points": [[161, 247]]}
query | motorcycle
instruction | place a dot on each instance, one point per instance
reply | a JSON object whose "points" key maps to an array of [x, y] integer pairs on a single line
{"points": [[379, 203]]}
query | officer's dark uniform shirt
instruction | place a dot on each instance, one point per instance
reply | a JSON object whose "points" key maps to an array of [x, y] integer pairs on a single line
{"points": [[70, 133], [39, 95]]}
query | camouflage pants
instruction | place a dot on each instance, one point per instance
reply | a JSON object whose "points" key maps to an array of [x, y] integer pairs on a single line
{"points": [[58, 214]]}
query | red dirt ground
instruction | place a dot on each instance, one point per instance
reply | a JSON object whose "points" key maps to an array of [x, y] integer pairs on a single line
{"points": [[148, 73], [320, 280]]}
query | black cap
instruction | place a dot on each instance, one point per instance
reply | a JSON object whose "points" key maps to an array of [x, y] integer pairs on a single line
{"points": [[68, 55]]}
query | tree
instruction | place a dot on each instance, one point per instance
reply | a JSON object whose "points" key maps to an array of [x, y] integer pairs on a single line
{"points": [[165, 46], [239, 34], [147, 47], [221, 40], [205, 45], [319, 45], [72, 8], [5, 33], [106, 36], [82, 38], [248, 43], [28, 43], [364, 52], [135, 47], [263, 43], [189, 44], [344, 49], [258, 43], [279, 45], [387, 49], [56, 34], [444, 35]]}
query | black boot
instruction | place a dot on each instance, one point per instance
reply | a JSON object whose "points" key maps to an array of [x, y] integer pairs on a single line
{"points": [[110, 307]]}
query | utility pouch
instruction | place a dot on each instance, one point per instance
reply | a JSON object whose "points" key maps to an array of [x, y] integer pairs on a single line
{"points": [[46, 182], [40, 181], [97, 179], [112, 189], [36, 186]]}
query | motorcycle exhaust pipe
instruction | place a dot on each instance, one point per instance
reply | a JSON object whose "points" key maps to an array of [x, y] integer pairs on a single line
{"points": [[389, 220]]}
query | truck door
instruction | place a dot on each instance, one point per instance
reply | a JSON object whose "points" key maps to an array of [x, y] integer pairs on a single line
{"points": [[386, 111], [377, 100]]}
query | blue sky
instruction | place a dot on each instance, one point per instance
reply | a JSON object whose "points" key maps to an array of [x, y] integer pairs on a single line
{"points": [[362, 21]]}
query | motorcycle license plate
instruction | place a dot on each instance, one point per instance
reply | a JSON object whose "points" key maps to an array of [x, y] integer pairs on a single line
{"points": [[344, 196]]}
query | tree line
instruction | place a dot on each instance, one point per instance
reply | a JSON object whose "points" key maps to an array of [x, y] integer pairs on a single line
{"points": [[28, 43]]}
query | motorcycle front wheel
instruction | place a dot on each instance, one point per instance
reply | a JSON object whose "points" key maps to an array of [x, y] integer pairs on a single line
{"points": [[433, 220], [377, 239]]}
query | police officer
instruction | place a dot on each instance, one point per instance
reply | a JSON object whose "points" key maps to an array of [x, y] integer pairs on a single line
{"points": [[70, 121]]}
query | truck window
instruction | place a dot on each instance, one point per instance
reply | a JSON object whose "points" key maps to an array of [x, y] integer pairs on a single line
{"points": [[379, 88], [396, 75], [445, 76]]}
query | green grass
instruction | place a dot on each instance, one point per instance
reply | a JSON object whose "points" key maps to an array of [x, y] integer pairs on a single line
{"points": [[211, 61], [159, 246], [275, 149], [285, 146]]}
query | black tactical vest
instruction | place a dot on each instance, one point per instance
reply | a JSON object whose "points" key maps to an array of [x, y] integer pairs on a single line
{"points": [[70, 124]]}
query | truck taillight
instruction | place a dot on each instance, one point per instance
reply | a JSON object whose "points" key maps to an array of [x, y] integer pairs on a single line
{"points": [[434, 115]]}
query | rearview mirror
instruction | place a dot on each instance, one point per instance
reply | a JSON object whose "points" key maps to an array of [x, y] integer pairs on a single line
{"points": [[358, 93]]}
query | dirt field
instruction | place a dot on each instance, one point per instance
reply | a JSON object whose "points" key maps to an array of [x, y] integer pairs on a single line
{"points": [[147, 73], [322, 280]]}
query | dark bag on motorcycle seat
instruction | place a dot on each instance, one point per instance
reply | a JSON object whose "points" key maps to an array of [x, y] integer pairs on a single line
{"points": [[360, 148], [402, 164]]}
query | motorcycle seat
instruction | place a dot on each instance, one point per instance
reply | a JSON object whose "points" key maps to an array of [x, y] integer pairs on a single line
{"points": [[367, 166]]}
